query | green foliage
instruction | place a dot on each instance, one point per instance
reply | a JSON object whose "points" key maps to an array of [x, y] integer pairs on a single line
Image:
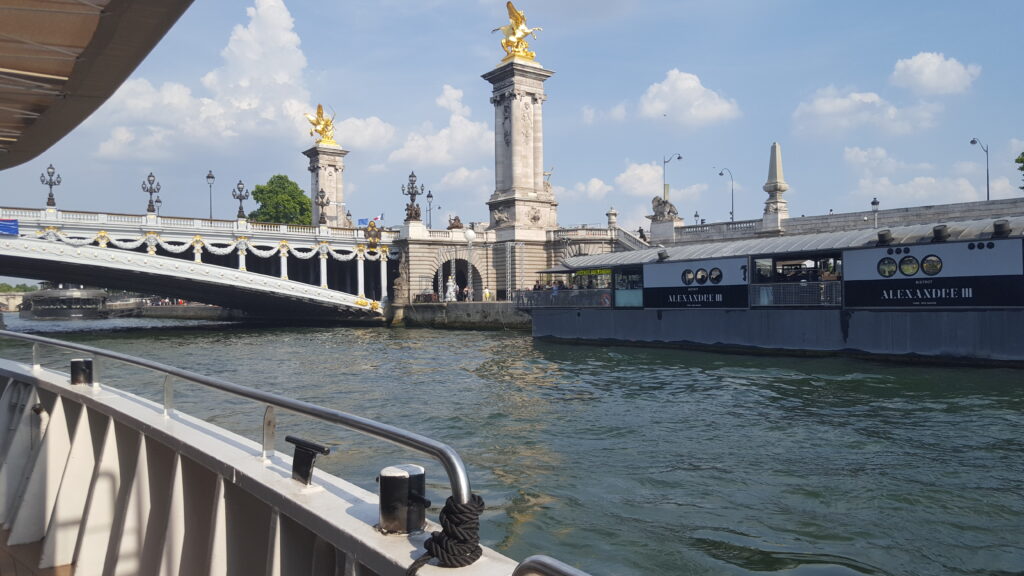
{"points": [[1020, 165], [6, 288], [281, 202]]}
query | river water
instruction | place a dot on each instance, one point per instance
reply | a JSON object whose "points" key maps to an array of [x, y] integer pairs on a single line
{"points": [[643, 461]]}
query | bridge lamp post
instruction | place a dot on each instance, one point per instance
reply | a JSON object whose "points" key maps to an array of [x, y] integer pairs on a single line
{"points": [[664, 166], [240, 193], [874, 209], [732, 194], [430, 209], [48, 180], [209, 182], [158, 202], [412, 192], [985, 148], [322, 202], [149, 188], [696, 218]]}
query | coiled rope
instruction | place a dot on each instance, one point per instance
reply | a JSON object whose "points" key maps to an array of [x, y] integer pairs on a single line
{"points": [[458, 543]]}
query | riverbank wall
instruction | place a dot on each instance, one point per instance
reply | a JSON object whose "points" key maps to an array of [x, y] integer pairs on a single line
{"points": [[462, 316]]}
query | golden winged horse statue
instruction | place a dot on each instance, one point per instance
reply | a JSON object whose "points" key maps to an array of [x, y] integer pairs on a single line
{"points": [[322, 126], [516, 31]]}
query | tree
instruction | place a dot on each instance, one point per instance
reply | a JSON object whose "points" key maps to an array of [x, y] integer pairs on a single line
{"points": [[281, 202], [1020, 162]]}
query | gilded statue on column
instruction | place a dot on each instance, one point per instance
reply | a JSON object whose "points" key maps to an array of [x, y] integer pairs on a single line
{"points": [[516, 31], [322, 126]]}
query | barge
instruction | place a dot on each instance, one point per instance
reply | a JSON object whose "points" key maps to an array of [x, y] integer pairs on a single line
{"points": [[63, 302], [951, 292]]}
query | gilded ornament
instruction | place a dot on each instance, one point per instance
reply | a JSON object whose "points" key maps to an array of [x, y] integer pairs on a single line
{"points": [[322, 126], [514, 43]]}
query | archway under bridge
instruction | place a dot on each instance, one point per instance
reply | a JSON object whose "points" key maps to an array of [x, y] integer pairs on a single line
{"points": [[465, 275]]}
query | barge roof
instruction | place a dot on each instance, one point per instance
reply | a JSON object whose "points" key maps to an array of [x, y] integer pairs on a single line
{"points": [[804, 243]]}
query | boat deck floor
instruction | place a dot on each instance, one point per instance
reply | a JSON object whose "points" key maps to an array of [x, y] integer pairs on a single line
{"points": [[23, 560]]}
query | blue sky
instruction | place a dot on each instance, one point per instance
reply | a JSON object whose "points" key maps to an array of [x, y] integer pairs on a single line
{"points": [[867, 99]]}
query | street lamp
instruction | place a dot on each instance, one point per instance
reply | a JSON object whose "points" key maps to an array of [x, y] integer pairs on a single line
{"points": [[158, 202], [430, 209], [985, 148], [240, 193], [209, 181], [150, 189], [732, 194], [664, 163], [874, 209], [48, 180]]}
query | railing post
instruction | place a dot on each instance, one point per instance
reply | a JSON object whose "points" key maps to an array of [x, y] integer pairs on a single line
{"points": [[269, 431], [168, 395], [35, 356]]}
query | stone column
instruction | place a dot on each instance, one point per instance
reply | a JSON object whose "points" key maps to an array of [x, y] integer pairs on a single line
{"points": [[283, 253], [522, 206], [383, 275], [326, 165], [323, 270], [361, 258], [241, 259]]}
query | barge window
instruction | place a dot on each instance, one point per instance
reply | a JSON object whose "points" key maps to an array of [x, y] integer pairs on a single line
{"points": [[797, 280], [629, 287]]}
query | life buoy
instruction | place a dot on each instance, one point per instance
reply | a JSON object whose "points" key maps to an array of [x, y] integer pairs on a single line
{"points": [[606, 299]]}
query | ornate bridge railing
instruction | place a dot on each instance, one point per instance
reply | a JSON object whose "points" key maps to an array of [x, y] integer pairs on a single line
{"points": [[209, 241]]}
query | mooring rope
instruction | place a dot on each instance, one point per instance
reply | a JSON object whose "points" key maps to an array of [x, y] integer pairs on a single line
{"points": [[458, 543]]}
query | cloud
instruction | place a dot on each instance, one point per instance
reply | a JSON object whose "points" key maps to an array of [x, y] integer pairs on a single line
{"points": [[933, 73], [461, 139], [258, 90], [364, 133], [684, 100], [645, 180], [640, 180], [478, 182], [877, 161], [918, 191], [830, 111], [593, 189], [588, 114], [616, 113]]}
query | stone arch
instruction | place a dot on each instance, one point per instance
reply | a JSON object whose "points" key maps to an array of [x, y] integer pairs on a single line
{"points": [[466, 271]]}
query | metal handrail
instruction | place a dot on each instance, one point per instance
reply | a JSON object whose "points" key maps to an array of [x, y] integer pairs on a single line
{"points": [[541, 565], [446, 455]]}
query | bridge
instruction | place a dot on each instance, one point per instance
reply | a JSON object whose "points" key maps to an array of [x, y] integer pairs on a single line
{"points": [[266, 270]]}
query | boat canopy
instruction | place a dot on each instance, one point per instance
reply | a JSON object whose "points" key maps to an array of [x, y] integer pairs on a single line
{"points": [[61, 59]]}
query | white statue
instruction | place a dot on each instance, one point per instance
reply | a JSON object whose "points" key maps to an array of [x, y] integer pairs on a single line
{"points": [[450, 294]]}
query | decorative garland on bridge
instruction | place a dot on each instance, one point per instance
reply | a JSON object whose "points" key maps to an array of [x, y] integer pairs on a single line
{"points": [[242, 244]]}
